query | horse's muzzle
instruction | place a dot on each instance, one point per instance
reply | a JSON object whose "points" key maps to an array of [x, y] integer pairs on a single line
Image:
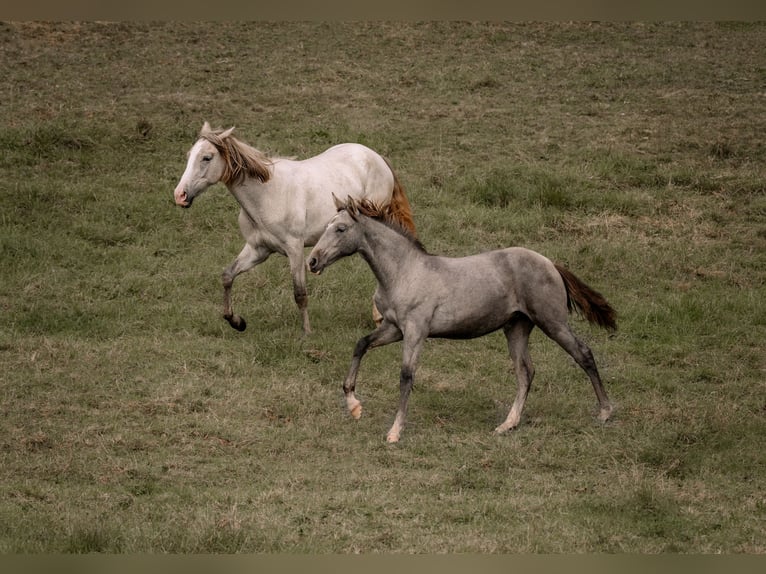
{"points": [[182, 198]]}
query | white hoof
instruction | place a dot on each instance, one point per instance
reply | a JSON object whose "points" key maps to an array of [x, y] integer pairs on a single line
{"points": [[354, 407]]}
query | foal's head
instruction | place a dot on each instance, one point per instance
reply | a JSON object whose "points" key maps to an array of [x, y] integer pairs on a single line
{"points": [[218, 156], [341, 238], [344, 234]]}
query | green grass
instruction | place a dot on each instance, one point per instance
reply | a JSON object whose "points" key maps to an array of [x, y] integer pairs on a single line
{"points": [[134, 419]]}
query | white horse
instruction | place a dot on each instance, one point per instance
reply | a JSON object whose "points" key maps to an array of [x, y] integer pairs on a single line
{"points": [[285, 204]]}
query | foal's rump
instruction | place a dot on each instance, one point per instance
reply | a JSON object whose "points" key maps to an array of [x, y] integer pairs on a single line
{"points": [[537, 288], [547, 292]]}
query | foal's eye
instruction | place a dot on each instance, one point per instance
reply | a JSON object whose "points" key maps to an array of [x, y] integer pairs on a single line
{"points": [[340, 229]]}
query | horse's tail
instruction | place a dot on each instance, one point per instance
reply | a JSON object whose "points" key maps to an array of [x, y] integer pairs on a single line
{"points": [[590, 303], [399, 207]]}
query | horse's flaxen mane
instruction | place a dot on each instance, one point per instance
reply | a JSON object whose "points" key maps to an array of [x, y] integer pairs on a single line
{"points": [[240, 159], [387, 214]]}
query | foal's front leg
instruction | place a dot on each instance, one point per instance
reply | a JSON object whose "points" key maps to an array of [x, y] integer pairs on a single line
{"points": [[385, 333], [413, 343]]}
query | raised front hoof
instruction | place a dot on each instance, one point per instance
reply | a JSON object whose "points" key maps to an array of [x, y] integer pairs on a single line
{"points": [[356, 410], [237, 323]]}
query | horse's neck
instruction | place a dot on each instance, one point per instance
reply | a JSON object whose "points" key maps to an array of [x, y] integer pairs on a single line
{"points": [[248, 195], [387, 252]]}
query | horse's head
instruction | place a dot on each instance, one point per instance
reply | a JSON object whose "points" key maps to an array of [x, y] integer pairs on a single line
{"points": [[205, 166], [218, 156], [341, 238]]}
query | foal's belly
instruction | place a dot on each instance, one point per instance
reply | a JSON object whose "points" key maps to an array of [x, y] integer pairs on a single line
{"points": [[448, 325]]}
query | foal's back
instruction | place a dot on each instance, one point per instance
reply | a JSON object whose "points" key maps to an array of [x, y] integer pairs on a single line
{"points": [[478, 294]]}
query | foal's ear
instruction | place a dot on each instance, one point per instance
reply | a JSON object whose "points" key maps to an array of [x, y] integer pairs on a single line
{"points": [[352, 207], [227, 133], [339, 205]]}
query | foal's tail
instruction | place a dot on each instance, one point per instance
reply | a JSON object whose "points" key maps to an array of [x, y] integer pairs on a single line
{"points": [[399, 208], [590, 303]]}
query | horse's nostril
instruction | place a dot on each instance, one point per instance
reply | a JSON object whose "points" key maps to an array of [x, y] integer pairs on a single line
{"points": [[313, 262]]}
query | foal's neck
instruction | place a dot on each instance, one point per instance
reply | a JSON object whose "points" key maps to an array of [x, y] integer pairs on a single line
{"points": [[388, 252]]}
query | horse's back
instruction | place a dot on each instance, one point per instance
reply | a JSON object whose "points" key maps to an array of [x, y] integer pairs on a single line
{"points": [[344, 169], [347, 169]]}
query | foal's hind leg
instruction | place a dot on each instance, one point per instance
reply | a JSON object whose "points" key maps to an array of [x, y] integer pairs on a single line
{"points": [[583, 356], [248, 258], [517, 333]]}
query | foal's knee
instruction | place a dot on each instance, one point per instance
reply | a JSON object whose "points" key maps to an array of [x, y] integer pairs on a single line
{"points": [[406, 378], [227, 279]]}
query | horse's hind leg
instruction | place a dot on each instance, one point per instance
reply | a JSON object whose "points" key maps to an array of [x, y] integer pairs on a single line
{"points": [[248, 258], [517, 334], [583, 356]]}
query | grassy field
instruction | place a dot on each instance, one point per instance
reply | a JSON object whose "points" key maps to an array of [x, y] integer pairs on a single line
{"points": [[134, 419]]}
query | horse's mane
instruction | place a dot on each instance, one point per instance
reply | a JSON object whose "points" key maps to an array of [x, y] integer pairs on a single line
{"points": [[399, 204], [386, 214], [240, 159]]}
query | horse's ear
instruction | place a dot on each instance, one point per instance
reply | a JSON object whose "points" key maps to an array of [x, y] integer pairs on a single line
{"points": [[206, 128], [227, 133], [339, 205]]}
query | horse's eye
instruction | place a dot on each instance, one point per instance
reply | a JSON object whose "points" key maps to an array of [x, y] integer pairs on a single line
{"points": [[340, 229], [207, 158]]}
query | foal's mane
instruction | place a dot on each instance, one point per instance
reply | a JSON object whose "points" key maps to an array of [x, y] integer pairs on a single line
{"points": [[385, 214], [240, 159]]}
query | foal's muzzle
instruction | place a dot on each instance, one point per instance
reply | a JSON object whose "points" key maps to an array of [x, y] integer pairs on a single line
{"points": [[313, 264]]}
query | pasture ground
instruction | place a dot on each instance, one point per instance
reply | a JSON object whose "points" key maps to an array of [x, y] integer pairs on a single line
{"points": [[134, 419]]}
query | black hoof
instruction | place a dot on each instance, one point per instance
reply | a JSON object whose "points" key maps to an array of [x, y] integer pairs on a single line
{"points": [[237, 323]]}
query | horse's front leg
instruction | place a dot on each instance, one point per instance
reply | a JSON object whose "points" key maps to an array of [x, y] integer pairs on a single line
{"points": [[413, 343], [248, 258], [300, 293], [385, 333]]}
